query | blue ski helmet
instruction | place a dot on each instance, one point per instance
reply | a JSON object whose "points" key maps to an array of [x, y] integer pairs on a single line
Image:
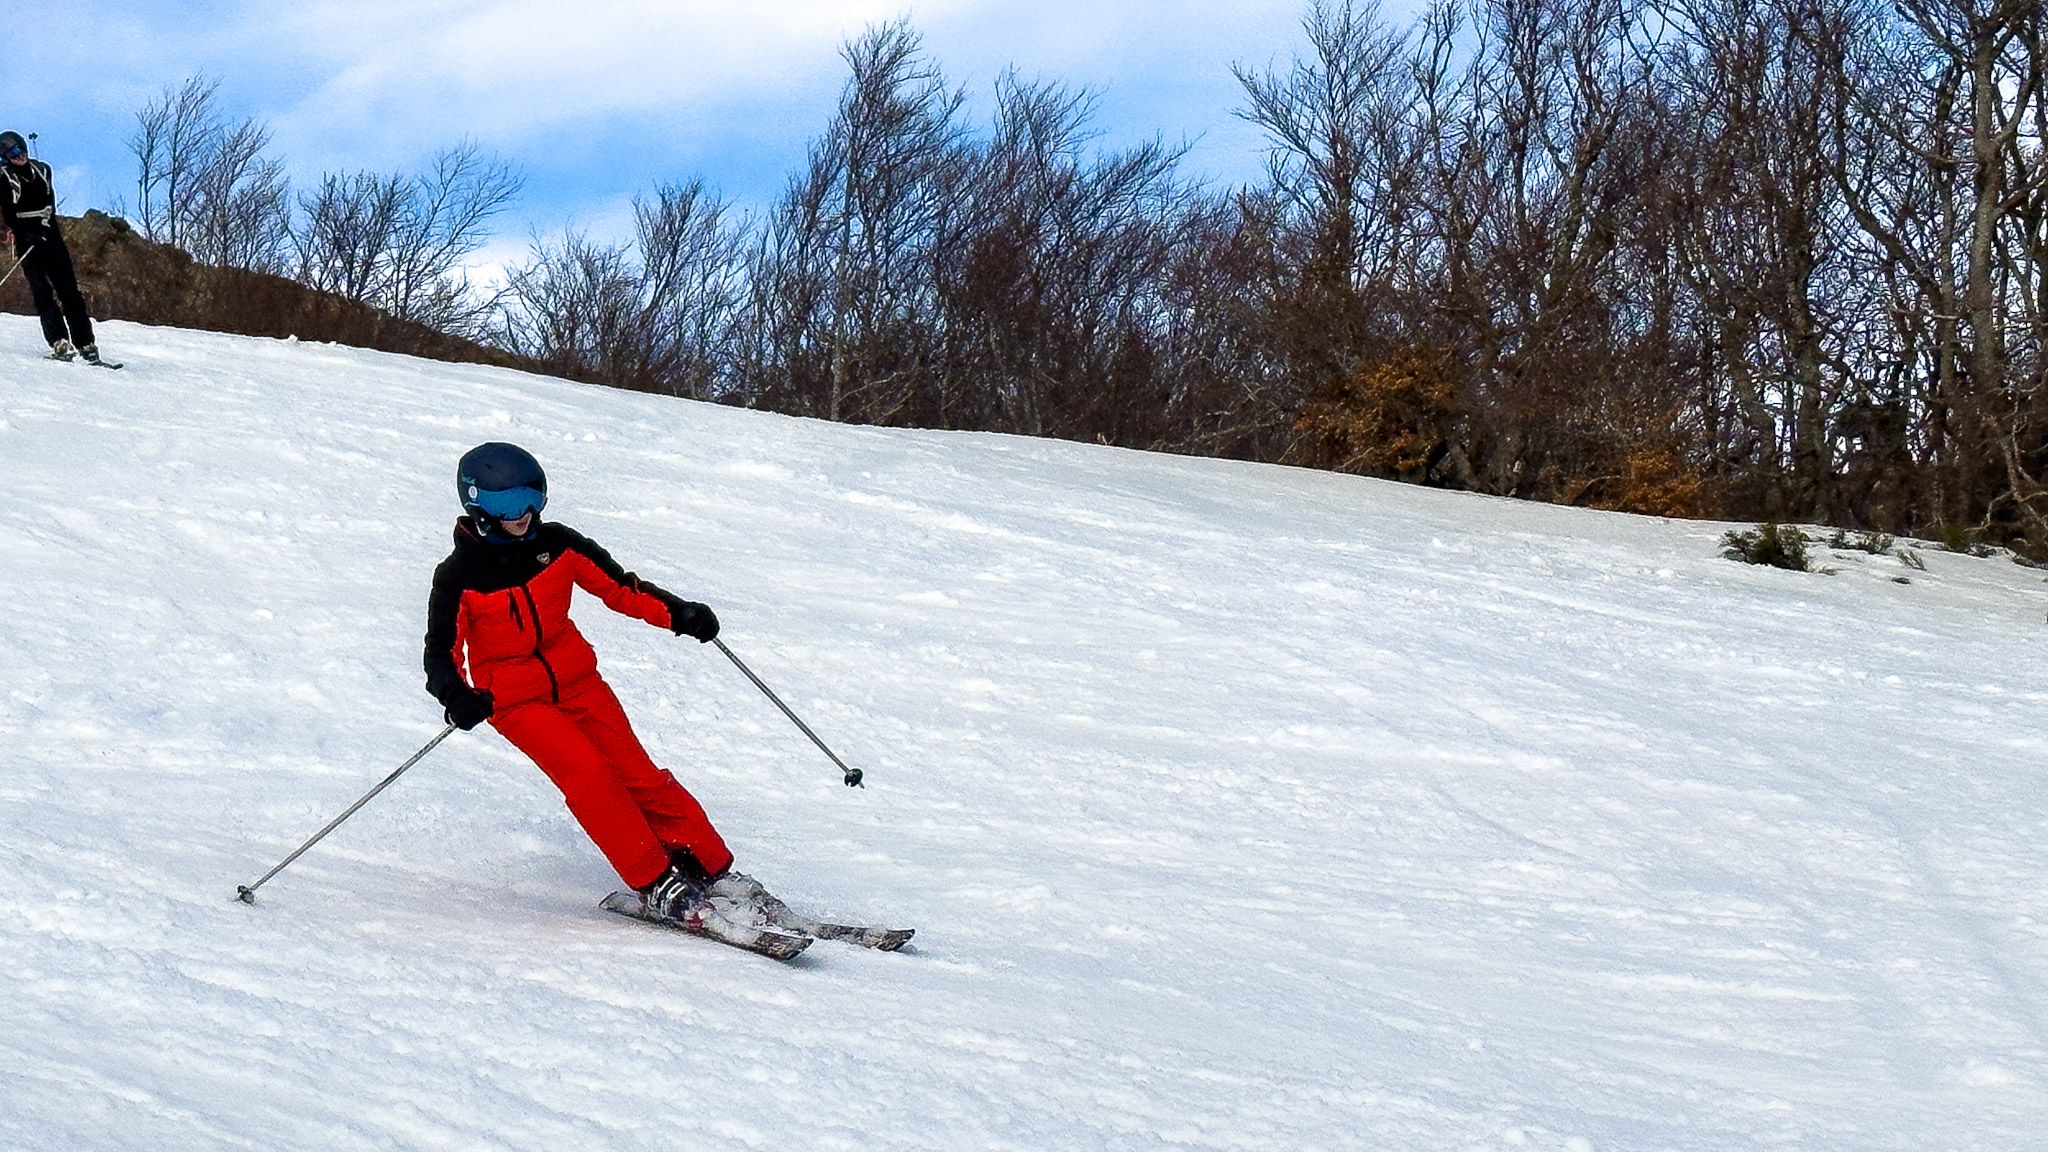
{"points": [[499, 482]]}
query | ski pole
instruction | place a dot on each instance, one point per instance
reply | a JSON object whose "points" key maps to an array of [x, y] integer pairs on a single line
{"points": [[852, 774], [246, 893], [17, 264]]}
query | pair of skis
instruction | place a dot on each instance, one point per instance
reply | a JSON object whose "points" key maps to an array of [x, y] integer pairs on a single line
{"points": [[765, 926], [100, 363]]}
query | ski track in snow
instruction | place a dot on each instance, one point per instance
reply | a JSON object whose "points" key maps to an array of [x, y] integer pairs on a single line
{"points": [[1236, 807]]}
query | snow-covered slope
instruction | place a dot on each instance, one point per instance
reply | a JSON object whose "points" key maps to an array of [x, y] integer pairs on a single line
{"points": [[1235, 807]]}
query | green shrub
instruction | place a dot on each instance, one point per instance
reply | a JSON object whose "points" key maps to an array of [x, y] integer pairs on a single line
{"points": [[1956, 538], [1778, 545]]}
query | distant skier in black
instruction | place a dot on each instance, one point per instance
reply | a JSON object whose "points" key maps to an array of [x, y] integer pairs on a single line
{"points": [[28, 213]]}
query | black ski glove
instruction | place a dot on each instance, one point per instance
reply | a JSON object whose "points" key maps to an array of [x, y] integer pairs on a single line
{"points": [[469, 709], [689, 618]]}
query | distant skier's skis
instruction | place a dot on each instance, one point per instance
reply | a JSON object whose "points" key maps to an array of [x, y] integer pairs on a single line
{"points": [[110, 364], [771, 942]]}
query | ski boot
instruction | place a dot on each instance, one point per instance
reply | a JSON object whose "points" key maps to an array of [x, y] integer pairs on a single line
{"points": [[677, 894]]}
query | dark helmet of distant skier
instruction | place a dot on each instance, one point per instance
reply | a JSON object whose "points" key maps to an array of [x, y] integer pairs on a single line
{"points": [[499, 482], [12, 145]]}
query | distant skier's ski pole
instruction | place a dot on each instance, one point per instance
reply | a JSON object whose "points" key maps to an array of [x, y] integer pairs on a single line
{"points": [[246, 893], [17, 266], [852, 774]]}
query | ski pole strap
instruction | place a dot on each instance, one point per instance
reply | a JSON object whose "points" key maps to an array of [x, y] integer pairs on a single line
{"points": [[852, 774], [246, 893]]}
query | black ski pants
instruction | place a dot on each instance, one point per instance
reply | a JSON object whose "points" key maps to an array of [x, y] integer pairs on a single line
{"points": [[54, 284]]}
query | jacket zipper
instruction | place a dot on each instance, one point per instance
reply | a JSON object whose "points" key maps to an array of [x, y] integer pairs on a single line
{"points": [[554, 685]]}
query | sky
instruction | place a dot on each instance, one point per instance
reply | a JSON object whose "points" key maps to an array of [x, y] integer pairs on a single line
{"points": [[601, 100]]}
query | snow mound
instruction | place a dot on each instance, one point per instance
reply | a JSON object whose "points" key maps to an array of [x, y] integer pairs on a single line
{"points": [[1236, 807]]}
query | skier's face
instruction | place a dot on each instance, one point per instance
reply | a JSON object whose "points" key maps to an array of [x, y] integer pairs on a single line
{"points": [[17, 157], [517, 527]]}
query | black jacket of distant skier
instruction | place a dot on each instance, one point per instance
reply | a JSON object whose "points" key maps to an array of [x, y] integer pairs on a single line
{"points": [[28, 206], [28, 202]]}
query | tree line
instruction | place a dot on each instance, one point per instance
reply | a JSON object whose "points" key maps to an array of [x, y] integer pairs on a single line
{"points": [[1758, 259], [395, 241]]}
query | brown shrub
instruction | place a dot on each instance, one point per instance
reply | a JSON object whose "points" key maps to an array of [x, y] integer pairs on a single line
{"points": [[1396, 418], [1654, 481]]}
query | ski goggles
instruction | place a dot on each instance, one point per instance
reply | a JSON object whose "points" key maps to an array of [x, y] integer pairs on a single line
{"points": [[508, 503], [12, 151]]}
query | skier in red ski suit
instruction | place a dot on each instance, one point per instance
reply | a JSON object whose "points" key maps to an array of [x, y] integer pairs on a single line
{"points": [[500, 647]]}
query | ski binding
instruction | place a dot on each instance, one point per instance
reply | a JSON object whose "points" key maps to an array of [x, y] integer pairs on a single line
{"points": [[769, 941], [740, 896]]}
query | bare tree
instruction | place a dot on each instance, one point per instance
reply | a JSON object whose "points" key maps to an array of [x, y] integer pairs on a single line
{"points": [[1051, 275], [1758, 231], [1346, 126], [1339, 158], [398, 242], [657, 316], [205, 185], [858, 227], [172, 134], [446, 221], [1938, 154], [349, 229]]}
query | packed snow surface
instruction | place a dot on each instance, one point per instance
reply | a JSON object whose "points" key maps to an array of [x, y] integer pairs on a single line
{"points": [[1236, 807]]}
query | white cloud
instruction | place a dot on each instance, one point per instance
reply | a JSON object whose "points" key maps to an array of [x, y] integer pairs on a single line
{"points": [[602, 98], [509, 68], [506, 70]]}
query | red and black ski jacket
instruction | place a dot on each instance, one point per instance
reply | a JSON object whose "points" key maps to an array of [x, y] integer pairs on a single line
{"points": [[498, 619]]}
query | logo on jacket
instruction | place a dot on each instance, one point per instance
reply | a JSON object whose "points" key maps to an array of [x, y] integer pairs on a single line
{"points": [[545, 557]]}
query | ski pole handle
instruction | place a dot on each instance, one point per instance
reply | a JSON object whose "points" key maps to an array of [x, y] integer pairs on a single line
{"points": [[852, 774], [246, 893]]}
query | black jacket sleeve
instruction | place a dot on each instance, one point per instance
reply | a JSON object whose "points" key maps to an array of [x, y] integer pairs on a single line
{"points": [[444, 606], [10, 195]]}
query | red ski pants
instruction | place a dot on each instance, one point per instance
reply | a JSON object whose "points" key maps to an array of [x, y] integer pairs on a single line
{"points": [[632, 808]]}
